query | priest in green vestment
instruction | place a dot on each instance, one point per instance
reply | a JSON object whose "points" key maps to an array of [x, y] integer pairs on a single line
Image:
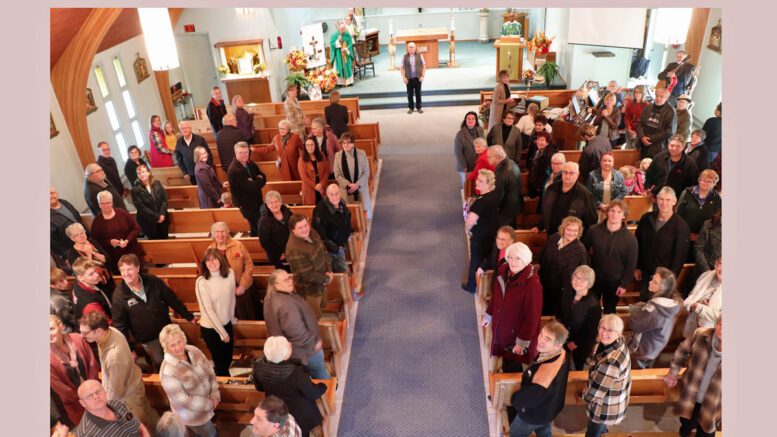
{"points": [[512, 27], [341, 55]]}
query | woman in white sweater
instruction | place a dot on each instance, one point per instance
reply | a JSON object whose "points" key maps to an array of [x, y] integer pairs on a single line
{"points": [[705, 300], [216, 296]]}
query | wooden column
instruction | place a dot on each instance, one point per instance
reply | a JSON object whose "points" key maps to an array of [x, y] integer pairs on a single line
{"points": [[694, 41], [163, 77], [70, 74]]}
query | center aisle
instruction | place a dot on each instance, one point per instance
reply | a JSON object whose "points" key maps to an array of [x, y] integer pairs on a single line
{"points": [[415, 365]]}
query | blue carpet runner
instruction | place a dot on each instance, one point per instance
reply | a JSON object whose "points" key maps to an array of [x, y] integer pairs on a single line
{"points": [[415, 364]]}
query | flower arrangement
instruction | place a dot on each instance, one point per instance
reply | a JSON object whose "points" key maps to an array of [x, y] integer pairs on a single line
{"points": [[527, 75], [296, 60], [182, 97], [222, 70], [484, 112], [260, 68], [540, 44], [325, 78]]}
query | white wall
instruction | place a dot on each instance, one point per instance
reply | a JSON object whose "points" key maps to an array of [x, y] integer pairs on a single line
{"points": [[65, 172], [708, 89], [144, 94], [223, 25]]}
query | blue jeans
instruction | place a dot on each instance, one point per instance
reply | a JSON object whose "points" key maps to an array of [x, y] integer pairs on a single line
{"points": [[594, 429], [339, 264], [519, 428], [207, 429], [317, 366]]}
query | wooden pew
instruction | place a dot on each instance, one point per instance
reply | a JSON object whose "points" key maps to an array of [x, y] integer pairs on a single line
{"points": [[250, 336], [622, 157], [647, 387], [557, 98], [185, 196], [276, 108], [238, 400], [360, 131], [172, 176]]}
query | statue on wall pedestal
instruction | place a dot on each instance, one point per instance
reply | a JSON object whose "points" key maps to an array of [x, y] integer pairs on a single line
{"points": [[141, 71]]}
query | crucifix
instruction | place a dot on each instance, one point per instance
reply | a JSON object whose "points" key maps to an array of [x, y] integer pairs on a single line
{"points": [[313, 43]]}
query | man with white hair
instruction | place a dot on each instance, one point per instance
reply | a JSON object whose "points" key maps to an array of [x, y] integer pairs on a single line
{"points": [[228, 136], [276, 374], [96, 182], [332, 221], [516, 285], [246, 181], [508, 187], [413, 69], [184, 151], [663, 238], [567, 197]]}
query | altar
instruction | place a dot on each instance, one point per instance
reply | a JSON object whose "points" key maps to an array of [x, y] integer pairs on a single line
{"points": [[426, 43]]}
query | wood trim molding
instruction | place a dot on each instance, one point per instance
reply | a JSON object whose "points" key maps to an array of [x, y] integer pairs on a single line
{"points": [[694, 41], [69, 77], [248, 42]]}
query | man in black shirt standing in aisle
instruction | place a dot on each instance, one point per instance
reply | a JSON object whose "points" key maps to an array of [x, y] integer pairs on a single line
{"points": [[245, 184], [216, 110]]}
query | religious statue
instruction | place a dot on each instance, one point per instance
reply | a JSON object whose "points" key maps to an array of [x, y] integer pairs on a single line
{"points": [[341, 55], [141, 71], [512, 27]]}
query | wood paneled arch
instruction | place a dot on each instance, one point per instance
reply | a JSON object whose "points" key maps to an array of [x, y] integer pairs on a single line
{"points": [[70, 74]]}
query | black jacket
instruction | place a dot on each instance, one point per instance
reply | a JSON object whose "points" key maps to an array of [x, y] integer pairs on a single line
{"points": [[131, 170], [290, 381], [538, 168], [90, 195], [332, 224], [667, 247], [145, 319], [111, 171], [682, 175], [581, 205], [614, 256], [216, 114], [700, 155], [694, 214], [83, 297], [556, 268], [246, 188], [150, 207], [582, 321], [226, 139], [542, 393], [591, 156], [657, 123], [60, 243], [337, 118], [61, 305], [185, 155], [273, 234], [509, 190], [713, 129]]}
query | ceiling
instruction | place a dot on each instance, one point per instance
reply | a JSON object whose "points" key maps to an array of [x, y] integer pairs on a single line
{"points": [[65, 23]]}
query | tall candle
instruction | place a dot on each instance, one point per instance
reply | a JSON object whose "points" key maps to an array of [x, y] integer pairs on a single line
{"points": [[391, 27]]}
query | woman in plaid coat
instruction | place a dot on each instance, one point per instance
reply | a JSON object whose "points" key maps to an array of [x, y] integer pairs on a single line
{"points": [[609, 378]]}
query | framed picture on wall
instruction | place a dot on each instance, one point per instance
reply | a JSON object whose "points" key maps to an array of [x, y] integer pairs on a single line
{"points": [[141, 70], [715, 38], [52, 128], [90, 105]]}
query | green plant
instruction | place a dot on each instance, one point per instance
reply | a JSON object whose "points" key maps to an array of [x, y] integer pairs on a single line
{"points": [[297, 79], [549, 70]]}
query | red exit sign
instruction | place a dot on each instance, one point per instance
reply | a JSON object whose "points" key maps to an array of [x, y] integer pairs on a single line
{"points": [[188, 27]]}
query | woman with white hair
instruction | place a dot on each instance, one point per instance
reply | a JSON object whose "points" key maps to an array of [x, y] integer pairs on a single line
{"points": [[482, 224], [189, 381], [562, 254], [115, 229], [580, 313], [652, 323], [277, 374], [515, 310], [287, 145], [609, 378], [170, 425]]}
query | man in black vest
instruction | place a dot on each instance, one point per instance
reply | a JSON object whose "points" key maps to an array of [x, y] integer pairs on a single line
{"points": [[413, 68]]}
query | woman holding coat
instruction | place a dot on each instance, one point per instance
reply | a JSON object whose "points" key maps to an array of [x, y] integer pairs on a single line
{"points": [[514, 311]]}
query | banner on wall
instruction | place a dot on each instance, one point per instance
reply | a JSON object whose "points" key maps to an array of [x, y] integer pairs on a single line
{"points": [[313, 45]]}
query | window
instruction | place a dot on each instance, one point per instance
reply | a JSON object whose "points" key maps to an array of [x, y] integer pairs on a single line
{"points": [[114, 119], [128, 103], [121, 144], [98, 74], [119, 72], [138, 134]]}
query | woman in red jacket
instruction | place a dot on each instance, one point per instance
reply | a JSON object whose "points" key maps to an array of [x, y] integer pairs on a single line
{"points": [[515, 310], [634, 107], [71, 363], [314, 173], [481, 147]]}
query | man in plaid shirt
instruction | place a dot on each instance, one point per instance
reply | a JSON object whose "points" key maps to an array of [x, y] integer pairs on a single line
{"points": [[609, 378], [699, 403]]}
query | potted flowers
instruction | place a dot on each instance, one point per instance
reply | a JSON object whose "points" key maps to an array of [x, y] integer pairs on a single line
{"points": [[222, 71], [540, 44], [324, 77]]}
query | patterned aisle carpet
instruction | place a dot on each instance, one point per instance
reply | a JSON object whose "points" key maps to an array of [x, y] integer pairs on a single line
{"points": [[415, 365]]}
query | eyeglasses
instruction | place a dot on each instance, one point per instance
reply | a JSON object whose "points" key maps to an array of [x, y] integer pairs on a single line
{"points": [[568, 172], [512, 258]]}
